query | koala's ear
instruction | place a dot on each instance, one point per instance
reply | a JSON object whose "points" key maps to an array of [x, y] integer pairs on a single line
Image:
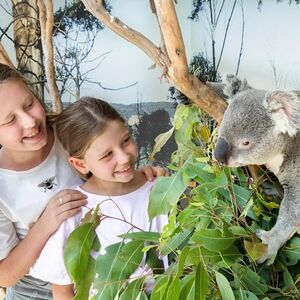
{"points": [[218, 88], [284, 108], [234, 85]]}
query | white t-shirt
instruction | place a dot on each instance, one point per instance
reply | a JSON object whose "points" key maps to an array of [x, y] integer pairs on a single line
{"points": [[25, 194], [131, 207]]}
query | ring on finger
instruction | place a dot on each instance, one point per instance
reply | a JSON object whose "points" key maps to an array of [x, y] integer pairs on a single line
{"points": [[61, 200]]}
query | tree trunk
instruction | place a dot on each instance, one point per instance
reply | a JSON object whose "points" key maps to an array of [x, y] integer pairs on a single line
{"points": [[27, 42]]}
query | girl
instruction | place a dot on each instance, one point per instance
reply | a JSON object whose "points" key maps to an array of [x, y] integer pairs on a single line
{"points": [[34, 173], [102, 150]]}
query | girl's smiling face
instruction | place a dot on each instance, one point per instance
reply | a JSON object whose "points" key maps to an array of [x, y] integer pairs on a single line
{"points": [[22, 118], [111, 155]]}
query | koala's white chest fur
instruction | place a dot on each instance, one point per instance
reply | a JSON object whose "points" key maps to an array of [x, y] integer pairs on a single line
{"points": [[275, 163]]}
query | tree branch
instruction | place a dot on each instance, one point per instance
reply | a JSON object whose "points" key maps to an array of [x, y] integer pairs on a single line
{"points": [[47, 22], [173, 61], [178, 71], [96, 8]]}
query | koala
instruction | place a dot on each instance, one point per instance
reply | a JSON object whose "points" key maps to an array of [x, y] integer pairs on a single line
{"points": [[262, 128]]}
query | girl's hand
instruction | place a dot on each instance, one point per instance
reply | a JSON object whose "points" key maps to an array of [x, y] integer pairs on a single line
{"points": [[63, 205], [152, 172]]}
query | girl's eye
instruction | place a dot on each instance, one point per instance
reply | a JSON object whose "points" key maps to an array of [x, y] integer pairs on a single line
{"points": [[107, 155], [28, 106], [126, 140], [10, 121]]}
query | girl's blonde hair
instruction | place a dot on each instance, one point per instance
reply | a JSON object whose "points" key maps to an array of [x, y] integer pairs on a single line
{"points": [[81, 122], [10, 74]]}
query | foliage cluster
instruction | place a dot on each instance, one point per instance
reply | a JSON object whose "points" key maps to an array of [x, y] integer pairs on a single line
{"points": [[210, 238], [74, 13]]}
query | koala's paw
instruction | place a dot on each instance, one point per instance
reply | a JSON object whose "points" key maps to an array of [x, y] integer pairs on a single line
{"points": [[272, 246]]}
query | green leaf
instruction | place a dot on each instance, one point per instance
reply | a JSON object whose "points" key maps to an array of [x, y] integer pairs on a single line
{"points": [[288, 282], [187, 290], [173, 290], [244, 295], [83, 288], [134, 291], [247, 279], [181, 113], [165, 194], [201, 282], [115, 267], [238, 230], [290, 254], [160, 141], [224, 286], [146, 236], [79, 263], [160, 288], [213, 239], [175, 241]]}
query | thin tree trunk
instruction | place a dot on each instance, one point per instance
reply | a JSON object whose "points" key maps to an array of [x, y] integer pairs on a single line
{"points": [[27, 44], [47, 22]]}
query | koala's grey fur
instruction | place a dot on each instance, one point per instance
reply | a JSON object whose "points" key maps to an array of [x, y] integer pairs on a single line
{"points": [[261, 127]]}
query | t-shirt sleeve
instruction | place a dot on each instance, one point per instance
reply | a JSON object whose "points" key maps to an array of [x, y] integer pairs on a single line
{"points": [[50, 265], [8, 236]]}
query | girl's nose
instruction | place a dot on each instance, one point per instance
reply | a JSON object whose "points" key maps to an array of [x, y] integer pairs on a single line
{"points": [[123, 157], [28, 121]]}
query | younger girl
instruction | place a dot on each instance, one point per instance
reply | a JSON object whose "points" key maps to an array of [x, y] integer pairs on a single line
{"points": [[34, 175], [102, 150]]}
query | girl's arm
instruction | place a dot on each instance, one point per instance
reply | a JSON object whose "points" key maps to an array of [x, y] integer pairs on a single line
{"points": [[63, 292], [22, 257]]}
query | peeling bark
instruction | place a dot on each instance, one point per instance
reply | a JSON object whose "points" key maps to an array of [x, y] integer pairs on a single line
{"points": [[47, 22]]}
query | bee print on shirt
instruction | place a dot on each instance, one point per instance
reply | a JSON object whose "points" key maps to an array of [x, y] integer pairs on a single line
{"points": [[48, 184]]}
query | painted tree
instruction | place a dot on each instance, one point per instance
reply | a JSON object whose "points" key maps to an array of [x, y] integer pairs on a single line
{"points": [[26, 38], [169, 55]]}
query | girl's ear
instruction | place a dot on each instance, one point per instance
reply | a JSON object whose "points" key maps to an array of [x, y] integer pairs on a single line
{"points": [[78, 164]]}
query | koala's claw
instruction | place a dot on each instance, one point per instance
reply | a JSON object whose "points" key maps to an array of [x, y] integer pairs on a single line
{"points": [[271, 242]]}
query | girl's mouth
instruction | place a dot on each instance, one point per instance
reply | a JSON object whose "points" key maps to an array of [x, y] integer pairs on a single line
{"points": [[35, 135]]}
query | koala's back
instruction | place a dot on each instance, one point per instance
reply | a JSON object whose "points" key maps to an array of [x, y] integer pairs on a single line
{"points": [[290, 168]]}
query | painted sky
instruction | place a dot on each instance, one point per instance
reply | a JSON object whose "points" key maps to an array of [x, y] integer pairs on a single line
{"points": [[271, 42]]}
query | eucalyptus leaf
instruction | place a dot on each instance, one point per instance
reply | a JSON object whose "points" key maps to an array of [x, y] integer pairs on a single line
{"points": [[160, 141], [165, 193], [213, 239], [79, 263], [290, 254], [175, 242], [115, 267], [224, 287], [146, 236], [247, 279], [134, 291], [244, 295], [201, 282]]}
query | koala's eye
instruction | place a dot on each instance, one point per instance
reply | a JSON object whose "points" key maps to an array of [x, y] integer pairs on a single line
{"points": [[245, 143]]}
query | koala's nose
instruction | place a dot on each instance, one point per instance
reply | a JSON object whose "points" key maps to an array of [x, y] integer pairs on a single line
{"points": [[221, 150]]}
